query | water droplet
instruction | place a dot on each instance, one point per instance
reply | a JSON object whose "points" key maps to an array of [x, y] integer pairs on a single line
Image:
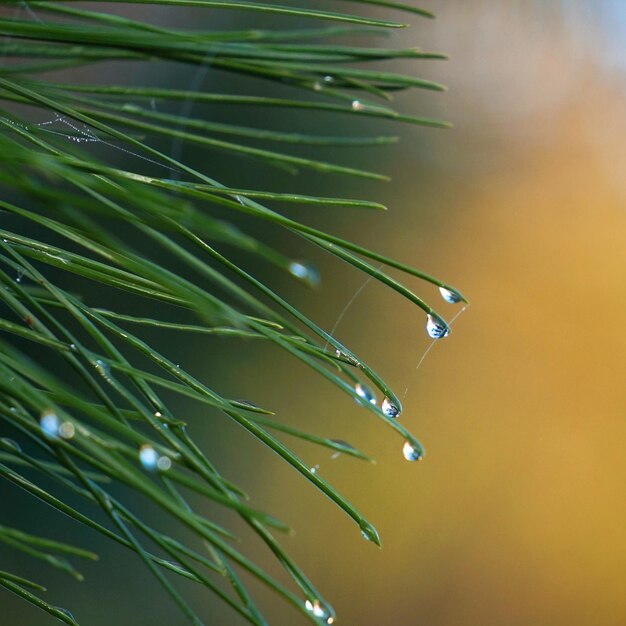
{"points": [[103, 368], [410, 452], [50, 423], [329, 79], [317, 609], [357, 105], [365, 392], [436, 327], [306, 272], [65, 612], [10, 443], [337, 352], [148, 457], [449, 295], [67, 430], [247, 403], [369, 532], [158, 414], [314, 469], [317, 86], [164, 463], [389, 408], [73, 347]]}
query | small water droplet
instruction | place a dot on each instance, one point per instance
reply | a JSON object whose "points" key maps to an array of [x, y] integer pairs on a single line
{"points": [[148, 457], [410, 452], [50, 423], [102, 368], [158, 414], [164, 463], [357, 105], [10, 443], [67, 430], [306, 272], [314, 469], [329, 79], [449, 295], [436, 327], [365, 392], [317, 86], [390, 409], [73, 347], [364, 534], [247, 403], [317, 609], [65, 612]]}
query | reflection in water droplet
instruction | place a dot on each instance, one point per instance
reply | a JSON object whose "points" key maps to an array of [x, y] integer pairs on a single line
{"points": [[436, 327], [449, 295], [389, 408], [306, 272], [365, 392], [49, 422], [148, 457], [410, 452], [364, 534]]}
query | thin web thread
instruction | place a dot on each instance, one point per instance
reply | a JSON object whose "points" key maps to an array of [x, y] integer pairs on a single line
{"points": [[350, 302], [178, 143], [431, 345], [85, 135]]}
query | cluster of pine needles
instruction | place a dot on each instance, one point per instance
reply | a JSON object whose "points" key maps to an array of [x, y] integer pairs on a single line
{"points": [[81, 392]]}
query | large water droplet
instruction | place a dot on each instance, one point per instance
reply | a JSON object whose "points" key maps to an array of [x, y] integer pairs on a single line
{"points": [[449, 295], [436, 327], [389, 408], [365, 392], [50, 423], [306, 272], [410, 452], [148, 457]]}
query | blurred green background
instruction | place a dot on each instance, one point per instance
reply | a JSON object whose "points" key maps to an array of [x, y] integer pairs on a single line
{"points": [[515, 516]]}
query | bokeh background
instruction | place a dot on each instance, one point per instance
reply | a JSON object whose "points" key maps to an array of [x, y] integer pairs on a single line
{"points": [[517, 515]]}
